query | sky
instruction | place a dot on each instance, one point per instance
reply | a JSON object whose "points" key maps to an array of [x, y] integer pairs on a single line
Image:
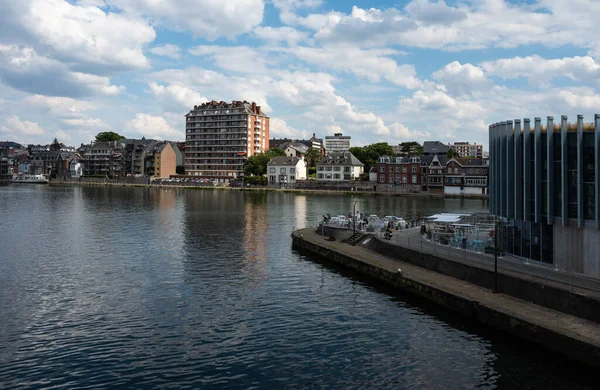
{"points": [[379, 71]]}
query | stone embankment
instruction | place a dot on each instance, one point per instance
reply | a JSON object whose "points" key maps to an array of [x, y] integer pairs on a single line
{"points": [[576, 337], [355, 192]]}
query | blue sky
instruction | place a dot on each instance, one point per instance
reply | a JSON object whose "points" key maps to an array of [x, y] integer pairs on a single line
{"points": [[389, 71]]}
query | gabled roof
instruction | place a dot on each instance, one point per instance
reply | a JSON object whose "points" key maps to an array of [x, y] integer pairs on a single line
{"points": [[299, 147], [283, 161], [340, 158], [427, 160], [469, 162]]}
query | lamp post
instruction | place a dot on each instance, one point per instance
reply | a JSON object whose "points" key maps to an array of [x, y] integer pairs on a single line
{"points": [[354, 224]]}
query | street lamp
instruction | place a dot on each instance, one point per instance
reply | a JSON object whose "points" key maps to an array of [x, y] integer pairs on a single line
{"points": [[354, 224]]}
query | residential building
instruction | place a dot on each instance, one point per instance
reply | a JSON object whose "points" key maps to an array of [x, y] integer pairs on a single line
{"points": [[432, 173], [5, 173], [465, 149], [179, 148], [337, 143], [134, 153], [283, 143], [286, 170], [221, 136], [160, 160], [545, 184], [404, 171], [104, 159], [466, 176], [339, 166], [296, 149], [434, 148]]}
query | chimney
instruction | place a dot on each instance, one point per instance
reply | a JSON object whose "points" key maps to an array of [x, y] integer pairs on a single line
{"points": [[254, 107]]}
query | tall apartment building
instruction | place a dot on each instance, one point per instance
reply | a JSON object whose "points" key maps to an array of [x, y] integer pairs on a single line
{"points": [[465, 149], [337, 143], [221, 136]]}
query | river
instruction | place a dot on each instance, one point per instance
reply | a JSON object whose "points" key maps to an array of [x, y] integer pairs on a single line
{"points": [[168, 288]]}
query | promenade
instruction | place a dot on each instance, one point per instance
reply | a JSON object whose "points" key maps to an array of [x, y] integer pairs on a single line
{"points": [[556, 330]]}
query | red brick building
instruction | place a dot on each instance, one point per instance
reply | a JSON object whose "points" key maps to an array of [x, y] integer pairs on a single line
{"points": [[404, 171]]}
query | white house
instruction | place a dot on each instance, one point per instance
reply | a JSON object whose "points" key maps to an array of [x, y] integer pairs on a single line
{"points": [[286, 170], [339, 166]]}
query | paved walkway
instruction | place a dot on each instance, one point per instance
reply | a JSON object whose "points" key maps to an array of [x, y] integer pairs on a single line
{"points": [[509, 265], [565, 324]]}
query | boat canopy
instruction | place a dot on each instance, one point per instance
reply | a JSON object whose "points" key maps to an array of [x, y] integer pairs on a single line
{"points": [[446, 217]]}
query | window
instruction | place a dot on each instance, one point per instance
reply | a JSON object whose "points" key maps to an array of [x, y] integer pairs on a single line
{"points": [[346, 169], [403, 169], [328, 169], [414, 169], [397, 169], [271, 170], [414, 179], [456, 171], [320, 176], [292, 171], [382, 178], [320, 168], [391, 178], [337, 169], [281, 170], [382, 168], [346, 176], [404, 179], [336, 176]]}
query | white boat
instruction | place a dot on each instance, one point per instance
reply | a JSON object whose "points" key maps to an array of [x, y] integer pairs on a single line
{"points": [[32, 179]]}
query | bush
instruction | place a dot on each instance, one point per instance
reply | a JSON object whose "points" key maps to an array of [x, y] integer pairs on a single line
{"points": [[255, 180]]}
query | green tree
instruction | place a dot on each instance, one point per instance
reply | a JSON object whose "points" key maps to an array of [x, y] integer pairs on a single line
{"points": [[55, 145], [312, 157], [257, 165], [369, 155], [107, 136], [451, 153], [411, 149]]}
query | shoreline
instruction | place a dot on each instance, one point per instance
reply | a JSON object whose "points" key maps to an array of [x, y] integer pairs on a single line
{"points": [[567, 334], [269, 189]]}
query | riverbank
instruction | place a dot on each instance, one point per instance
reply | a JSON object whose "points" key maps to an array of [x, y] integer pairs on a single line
{"points": [[554, 330], [269, 189]]}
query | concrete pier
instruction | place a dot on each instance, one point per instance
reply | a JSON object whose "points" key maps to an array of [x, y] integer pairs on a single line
{"points": [[573, 336]]}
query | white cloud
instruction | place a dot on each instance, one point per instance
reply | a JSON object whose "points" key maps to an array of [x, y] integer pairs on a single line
{"points": [[241, 59], [176, 97], [372, 64], [278, 128], [209, 19], [434, 12], [280, 34], [60, 107], [462, 79], [87, 123], [23, 69], [62, 136], [155, 127], [541, 71], [168, 50], [84, 36], [18, 128]]}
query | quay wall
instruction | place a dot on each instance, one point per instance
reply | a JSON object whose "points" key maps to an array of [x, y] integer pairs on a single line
{"points": [[527, 290], [588, 353]]}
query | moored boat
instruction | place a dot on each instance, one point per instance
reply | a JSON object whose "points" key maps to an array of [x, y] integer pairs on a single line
{"points": [[31, 179]]}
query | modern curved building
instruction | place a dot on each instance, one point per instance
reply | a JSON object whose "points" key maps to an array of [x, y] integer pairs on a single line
{"points": [[545, 180]]}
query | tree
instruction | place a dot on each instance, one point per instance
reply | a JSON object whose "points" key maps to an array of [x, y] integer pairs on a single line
{"points": [[257, 165], [369, 155], [411, 149], [312, 157], [55, 145], [107, 136], [451, 153]]}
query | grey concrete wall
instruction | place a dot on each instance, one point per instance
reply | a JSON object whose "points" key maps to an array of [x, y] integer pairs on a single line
{"points": [[591, 250], [577, 249], [538, 294], [577, 349]]}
